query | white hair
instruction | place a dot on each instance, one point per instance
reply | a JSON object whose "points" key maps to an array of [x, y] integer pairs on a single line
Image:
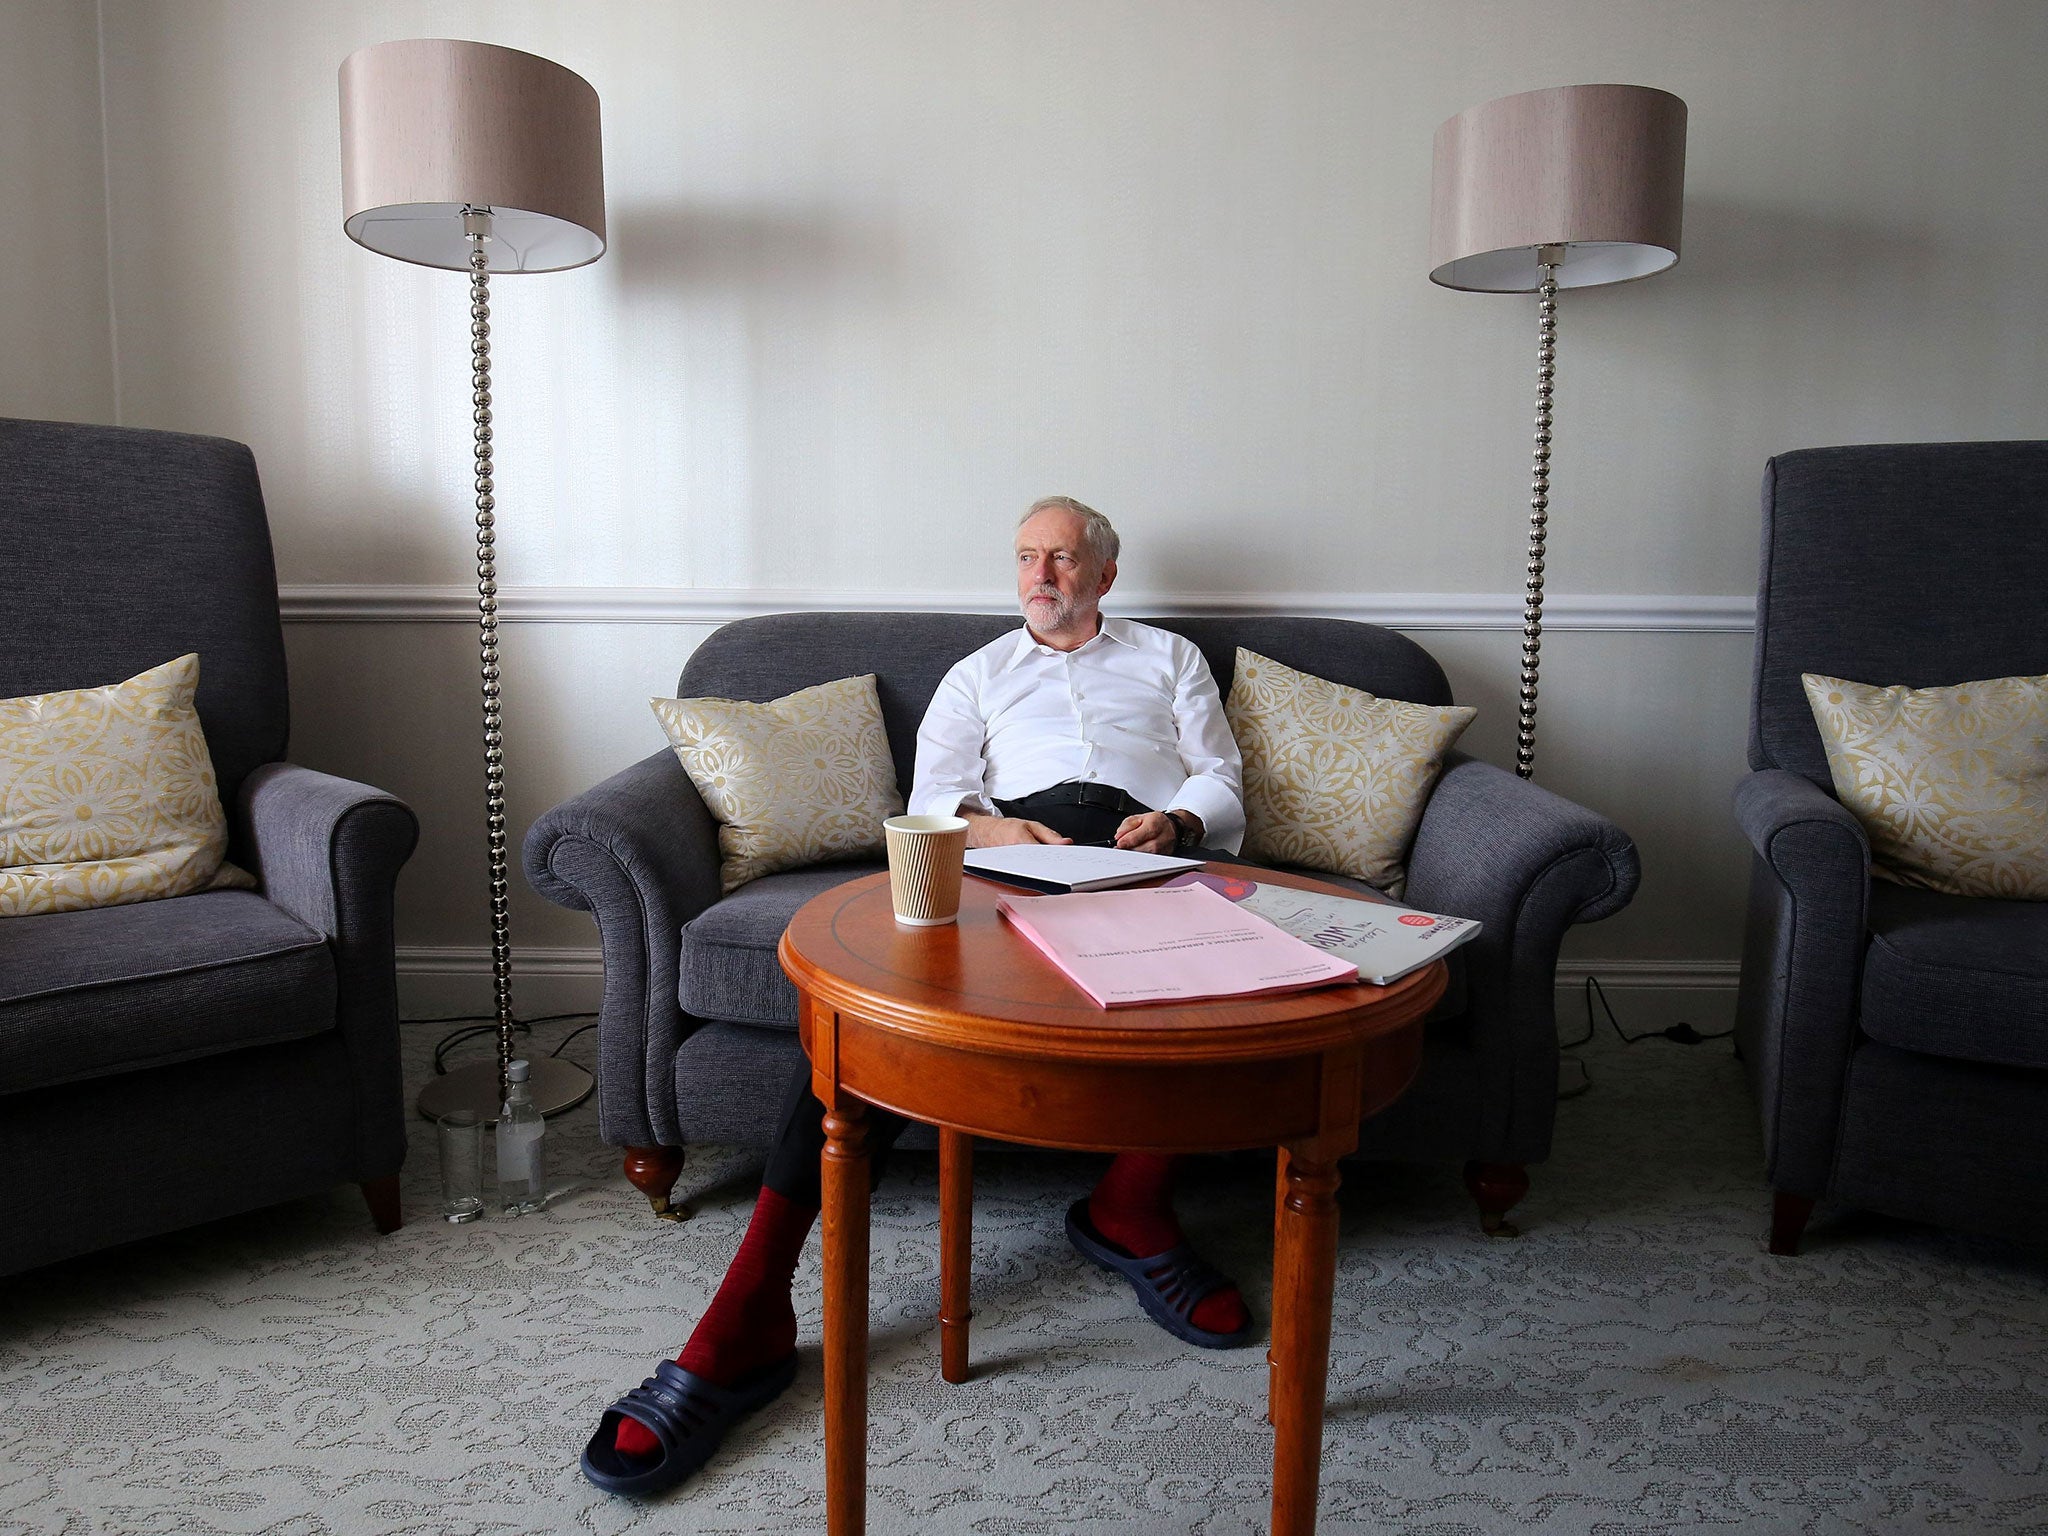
{"points": [[1097, 535]]}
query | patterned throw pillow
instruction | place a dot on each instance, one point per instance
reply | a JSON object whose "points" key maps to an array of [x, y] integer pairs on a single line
{"points": [[804, 779], [1951, 784], [107, 796], [1334, 777]]}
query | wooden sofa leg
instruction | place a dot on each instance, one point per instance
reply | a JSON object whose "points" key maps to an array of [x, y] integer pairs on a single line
{"points": [[381, 1195], [654, 1171], [1789, 1215], [1497, 1187]]}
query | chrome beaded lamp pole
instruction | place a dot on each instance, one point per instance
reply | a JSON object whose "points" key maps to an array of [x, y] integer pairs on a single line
{"points": [[1565, 188], [482, 159]]}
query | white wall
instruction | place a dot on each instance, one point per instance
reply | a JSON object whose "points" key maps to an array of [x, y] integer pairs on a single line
{"points": [[56, 346], [881, 274]]}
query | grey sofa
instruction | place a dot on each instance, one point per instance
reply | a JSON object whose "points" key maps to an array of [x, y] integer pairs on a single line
{"points": [[168, 1062], [1896, 1039], [697, 1032]]}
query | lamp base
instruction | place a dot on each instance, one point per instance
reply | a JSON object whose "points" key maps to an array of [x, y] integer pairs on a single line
{"points": [[556, 1085]]}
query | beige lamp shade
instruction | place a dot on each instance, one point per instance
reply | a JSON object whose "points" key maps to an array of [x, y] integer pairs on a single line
{"points": [[431, 126], [1598, 170]]}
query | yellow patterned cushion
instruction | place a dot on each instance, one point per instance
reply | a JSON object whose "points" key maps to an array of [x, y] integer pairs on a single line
{"points": [[107, 796], [803, 779], [1335, 778], [1951, 784]]}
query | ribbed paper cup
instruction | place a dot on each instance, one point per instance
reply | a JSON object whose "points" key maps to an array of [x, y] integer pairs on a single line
{"points": [[924, 867]]}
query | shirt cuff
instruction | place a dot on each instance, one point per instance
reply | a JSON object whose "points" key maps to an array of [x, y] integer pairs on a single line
{"points": [[1221, 812], [950, 802]]}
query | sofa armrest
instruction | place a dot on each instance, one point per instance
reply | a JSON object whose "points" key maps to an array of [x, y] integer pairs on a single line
{"points": [[1527, 864], [1802, 959], [1787, 817], [639, 852], [328, 851]]}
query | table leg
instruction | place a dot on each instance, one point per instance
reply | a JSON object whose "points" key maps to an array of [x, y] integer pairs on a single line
{"points": [[956, 1249], [844, 1172], [1304, 1274], [1272, 1339]]}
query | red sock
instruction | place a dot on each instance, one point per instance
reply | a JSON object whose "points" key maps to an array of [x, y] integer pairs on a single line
{"points": [[751, 1322], [1133, 1208]]}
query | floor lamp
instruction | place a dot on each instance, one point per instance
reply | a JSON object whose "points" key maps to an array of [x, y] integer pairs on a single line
{"points": [[479, 159], [1565, 188]]}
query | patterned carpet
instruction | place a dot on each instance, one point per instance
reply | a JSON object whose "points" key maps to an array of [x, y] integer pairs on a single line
{"points": [[1635, 1362]]}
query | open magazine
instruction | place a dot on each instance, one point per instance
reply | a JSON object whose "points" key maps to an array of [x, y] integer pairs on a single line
{"points": [[1384, 939]]}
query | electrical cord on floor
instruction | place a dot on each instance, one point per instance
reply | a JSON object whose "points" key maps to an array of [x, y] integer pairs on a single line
{"points": [[583, 1029], [487, 1024], [1680, 1033]]}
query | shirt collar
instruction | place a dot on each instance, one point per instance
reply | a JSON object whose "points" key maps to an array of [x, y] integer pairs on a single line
{"points": [[1113, 630]]}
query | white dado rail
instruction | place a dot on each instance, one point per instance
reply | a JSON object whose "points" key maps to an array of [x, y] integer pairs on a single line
{"points": [[336, 604]]}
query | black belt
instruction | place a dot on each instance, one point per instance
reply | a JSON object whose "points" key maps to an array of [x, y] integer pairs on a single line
{"points": [[1106, 797]]}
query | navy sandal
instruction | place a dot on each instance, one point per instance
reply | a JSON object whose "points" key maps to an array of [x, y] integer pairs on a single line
{"points": [[687, 1414], [1170, 1285]]}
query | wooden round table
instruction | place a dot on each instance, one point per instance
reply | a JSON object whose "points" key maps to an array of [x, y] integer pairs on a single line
{"points": [[969, 1028]]}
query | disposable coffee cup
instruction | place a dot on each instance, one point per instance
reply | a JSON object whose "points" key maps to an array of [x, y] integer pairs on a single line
{"points": [[924, 868]]}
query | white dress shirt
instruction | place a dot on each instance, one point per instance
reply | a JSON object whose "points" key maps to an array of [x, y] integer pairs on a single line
{"points": [[1134, 707]]}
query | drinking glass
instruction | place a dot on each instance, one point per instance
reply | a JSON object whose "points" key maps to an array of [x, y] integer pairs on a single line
{"points": [[461, 1135]]}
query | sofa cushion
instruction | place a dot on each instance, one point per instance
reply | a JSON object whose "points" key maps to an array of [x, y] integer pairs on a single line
{"points": [[1335, 778], [1950, 784], [1957, 976], [728, 970], [803, 779], [107, 796], [115, 989]]}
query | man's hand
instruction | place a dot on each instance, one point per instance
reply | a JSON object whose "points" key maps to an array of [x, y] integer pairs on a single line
{"points": [[986, 831], [1153, 832]]}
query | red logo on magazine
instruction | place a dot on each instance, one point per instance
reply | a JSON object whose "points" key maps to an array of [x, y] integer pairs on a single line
{"points": [[1417, 919], [1230, 887]]}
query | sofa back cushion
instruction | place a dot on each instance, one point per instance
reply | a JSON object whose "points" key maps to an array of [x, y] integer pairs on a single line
{"points": [[1913, 563], [764, 658], [125, 547]]}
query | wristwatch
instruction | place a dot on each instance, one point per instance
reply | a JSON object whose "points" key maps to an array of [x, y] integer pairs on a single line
{"points": [[1189, 830]]}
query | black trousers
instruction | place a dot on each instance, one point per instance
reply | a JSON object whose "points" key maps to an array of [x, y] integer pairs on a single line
{"points": [[792, 1170]]}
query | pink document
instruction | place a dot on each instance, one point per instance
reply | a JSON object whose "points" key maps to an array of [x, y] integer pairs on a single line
{"points": [[1175, 945]]}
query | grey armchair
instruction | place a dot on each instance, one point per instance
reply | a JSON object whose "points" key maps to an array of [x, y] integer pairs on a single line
{"points": [[1896, 1039], [697, 1032], [234, 1048]]}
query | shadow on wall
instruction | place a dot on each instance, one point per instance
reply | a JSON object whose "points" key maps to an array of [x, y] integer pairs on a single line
{"points": [[356, 713], [1782, 327], [1202, 559], [1743, 247], [676, 251], [1812, 308], [383, 528], [746, 307]]}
